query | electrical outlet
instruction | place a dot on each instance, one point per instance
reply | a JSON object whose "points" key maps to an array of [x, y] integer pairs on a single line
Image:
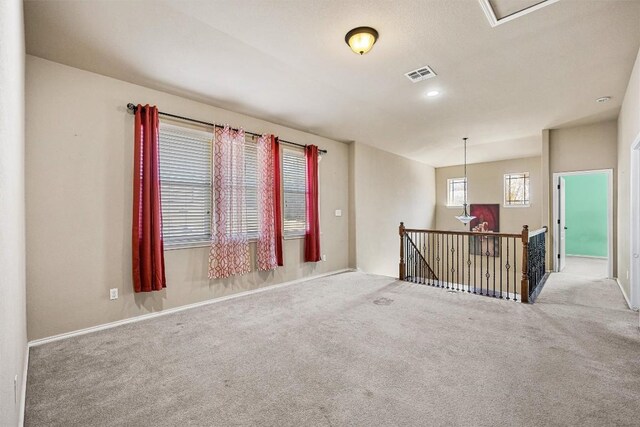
{"points": [[324, 257], [113, 293]]}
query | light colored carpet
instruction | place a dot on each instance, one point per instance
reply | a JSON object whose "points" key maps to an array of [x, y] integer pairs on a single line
{"points": [[589, 267], [357, 350]]}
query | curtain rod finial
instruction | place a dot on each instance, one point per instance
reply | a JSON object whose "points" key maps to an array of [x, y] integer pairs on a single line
{"points": [[131, 107]]}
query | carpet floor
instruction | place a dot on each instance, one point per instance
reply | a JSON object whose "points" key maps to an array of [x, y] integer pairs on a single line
{"points": [[596, 268], [354, 350]]}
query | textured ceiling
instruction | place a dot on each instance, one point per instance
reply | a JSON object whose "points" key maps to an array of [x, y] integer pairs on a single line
{"points": [[286, 62], [503, 8]]}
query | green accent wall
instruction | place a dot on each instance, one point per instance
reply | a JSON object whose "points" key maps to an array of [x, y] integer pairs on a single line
{"points": [[586, 214]]}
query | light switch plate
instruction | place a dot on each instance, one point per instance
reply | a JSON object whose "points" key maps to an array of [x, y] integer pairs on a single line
{"points": [[113, 293], [338, 212]]}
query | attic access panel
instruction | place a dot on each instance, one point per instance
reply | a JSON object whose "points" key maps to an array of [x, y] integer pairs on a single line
{"points": [[501, 11]]}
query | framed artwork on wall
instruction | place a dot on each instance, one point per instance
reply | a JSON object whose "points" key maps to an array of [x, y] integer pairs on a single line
{"points": [[487, 220]]}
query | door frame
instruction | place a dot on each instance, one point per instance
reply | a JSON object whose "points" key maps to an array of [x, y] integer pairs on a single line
{"points": [[634, 228], [556, 215]]}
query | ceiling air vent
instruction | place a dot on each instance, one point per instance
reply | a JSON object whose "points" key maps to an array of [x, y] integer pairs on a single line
{"points": [[420, 74]]}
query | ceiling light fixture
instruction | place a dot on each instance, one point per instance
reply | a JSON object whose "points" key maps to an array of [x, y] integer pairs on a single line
{"points": [[433, 93], [361, 39], [465, 218], [603, 99]]}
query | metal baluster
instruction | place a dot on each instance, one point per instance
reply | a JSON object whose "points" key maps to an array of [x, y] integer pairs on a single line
{"points": [[413, 250], [508, 266], [487, 274], [408, 258], [430, 280], [493, 243], [481, 267], [472, 241], [457, 263], [416, 248], [418, 263], [462, 263], [421, 262], [515, 269], [408, 276], [410, 261], [445, 260], [425, 263], [437, 253], [468, 264], [415, 258], [433, 255], [501, 239]]}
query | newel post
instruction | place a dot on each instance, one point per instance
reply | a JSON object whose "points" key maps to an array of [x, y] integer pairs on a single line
{"points": [[524, 283], [402, 264]]}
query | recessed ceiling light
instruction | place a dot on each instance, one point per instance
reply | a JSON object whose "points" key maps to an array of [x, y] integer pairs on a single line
{"points": [[603, 99], [433, 93]]}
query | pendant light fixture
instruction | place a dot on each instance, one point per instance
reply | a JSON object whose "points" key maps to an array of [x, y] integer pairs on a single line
{"points": [[465, 218], [361, 39]]}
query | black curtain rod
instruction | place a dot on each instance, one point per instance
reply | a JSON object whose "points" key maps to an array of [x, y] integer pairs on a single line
{"points": [[132, 107]]}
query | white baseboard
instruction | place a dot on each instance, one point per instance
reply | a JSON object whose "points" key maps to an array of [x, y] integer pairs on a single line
{"points": [[624, 294], [23, 391], [109, 325], [587, 256]]}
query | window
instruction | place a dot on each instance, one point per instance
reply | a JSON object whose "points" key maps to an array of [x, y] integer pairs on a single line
{"points": [[186, 161], [251, 187], [456, 191], [294, 177], [185, 176], [516, 189]]}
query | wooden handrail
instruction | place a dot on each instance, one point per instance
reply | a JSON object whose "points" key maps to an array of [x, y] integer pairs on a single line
{"points": [[538, 231], [462, 233]]}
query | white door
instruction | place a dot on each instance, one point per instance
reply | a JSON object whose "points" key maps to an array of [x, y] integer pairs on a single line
{"points": [[562, 226]]}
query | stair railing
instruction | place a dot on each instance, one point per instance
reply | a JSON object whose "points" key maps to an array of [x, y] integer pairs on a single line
{"points": [[500, 265]]}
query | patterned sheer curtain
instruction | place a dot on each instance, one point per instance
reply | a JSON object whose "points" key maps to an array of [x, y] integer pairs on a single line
{"points": [[266, 247], [229, 253]]}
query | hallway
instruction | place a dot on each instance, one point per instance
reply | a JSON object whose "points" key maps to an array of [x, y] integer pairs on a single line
{"points": [[595, 268]]}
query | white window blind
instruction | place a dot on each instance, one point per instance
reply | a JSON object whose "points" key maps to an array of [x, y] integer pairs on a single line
{"points": [[294, 177], [185, 176], [251, 187], [456, 191]]}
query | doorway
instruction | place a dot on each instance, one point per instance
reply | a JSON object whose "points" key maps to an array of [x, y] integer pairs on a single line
{"points": [[583, 219]]}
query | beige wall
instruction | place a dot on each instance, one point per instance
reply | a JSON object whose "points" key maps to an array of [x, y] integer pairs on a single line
{"points": [[13, 327], [486, 185], [583, 148], [79, 173], [352, 207], [388, 189], [628, 131]]}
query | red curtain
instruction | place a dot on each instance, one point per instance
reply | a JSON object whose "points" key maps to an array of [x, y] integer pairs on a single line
{"points": [[277, 200], [312, 235], [147, 245]]}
